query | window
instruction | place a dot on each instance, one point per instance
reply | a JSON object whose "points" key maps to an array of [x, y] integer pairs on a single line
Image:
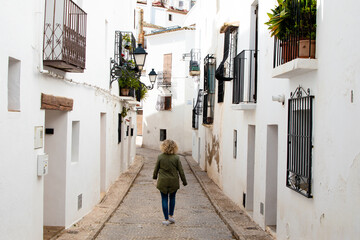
{"points": [[181, 4], [132, 132], [14, 85], [245, 78], [197, 110], [119, 128], [209, 89], [299, 155], [170, 17], [225, 71], [75, 140], [127, 131], [162, 134], [235, 144], [164, 103], [167, 68]]}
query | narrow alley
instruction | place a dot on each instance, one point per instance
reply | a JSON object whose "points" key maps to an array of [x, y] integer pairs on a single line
{"points": [[140, 216]]}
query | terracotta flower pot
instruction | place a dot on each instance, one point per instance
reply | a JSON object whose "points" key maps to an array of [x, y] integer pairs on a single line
{"points": [[124, 91], [304, 48]]}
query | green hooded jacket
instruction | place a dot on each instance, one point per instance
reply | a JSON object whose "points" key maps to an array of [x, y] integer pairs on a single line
{"points": [[169, 167]]}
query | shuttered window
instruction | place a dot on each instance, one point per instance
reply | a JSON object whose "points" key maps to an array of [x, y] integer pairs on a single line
{"points": [[167, 67]]}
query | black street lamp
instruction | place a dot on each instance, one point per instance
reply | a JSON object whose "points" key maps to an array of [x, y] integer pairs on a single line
{"points": [[139, 57], [152, 77]]}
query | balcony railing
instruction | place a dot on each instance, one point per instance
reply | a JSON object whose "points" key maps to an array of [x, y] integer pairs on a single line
{"points": [[162, 80], [300, 41], [64, 36], [125, 44], [245, 77], [194, 66]]}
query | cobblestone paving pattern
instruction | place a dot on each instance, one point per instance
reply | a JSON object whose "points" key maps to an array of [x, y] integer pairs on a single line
{"points": [[140, 216]]}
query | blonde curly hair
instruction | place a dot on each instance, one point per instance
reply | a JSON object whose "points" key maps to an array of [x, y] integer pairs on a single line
{"points": [[169, 147]]}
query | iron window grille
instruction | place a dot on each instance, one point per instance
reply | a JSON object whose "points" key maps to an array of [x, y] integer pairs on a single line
{"points": [[301, 42], [225, 71], [197, 110], [209, 89], [245, 77], [64, 45], [299, 152]]}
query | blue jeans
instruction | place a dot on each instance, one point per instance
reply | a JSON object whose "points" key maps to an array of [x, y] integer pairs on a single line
{"points": [[165, 201]]}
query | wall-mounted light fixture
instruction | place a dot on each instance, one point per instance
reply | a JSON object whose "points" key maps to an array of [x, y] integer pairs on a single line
{"points": [[279, 98], [140, 57], [152, 77]]}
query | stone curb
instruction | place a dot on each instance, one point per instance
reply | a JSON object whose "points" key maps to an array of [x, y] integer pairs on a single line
{"points": [[228, 211], [90, 226]]}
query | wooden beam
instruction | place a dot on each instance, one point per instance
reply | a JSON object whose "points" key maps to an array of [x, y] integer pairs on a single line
{"points": [[51, 102]]}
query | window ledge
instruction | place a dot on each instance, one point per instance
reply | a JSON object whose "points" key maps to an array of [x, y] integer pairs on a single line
{"points": [[207, 125], [133, 102], [126, 98], [295, 68], [244, 106]]}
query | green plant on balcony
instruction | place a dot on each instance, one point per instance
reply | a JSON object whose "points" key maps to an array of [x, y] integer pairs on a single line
{"points": [[293, 22], [143, 91], [284, 23], [127, 41], [124, 112], [128, 80]]}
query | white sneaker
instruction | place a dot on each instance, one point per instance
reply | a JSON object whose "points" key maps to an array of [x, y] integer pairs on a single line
{"points": [[166, 222], [171, 220]]}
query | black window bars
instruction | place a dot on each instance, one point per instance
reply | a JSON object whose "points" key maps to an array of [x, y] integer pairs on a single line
{"points": [[209, 89], [245, 78], [299, 152]]}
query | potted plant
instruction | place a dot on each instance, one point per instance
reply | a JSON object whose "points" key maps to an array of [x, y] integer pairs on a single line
{"points": [[127, 41], [124, 112], [128, 80], [293, 22], [143, 91]]}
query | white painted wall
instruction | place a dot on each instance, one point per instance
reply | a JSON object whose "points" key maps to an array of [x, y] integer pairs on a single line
{"points": [[160, 16], [333, 212], [89, 90], [178, 120]]}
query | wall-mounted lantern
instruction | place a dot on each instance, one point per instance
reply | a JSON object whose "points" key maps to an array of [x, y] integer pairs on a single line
{"points": [[140, 57], [152, 77]]}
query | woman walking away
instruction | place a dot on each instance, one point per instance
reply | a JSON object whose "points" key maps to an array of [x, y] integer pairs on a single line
{"points": [[168, 167]]}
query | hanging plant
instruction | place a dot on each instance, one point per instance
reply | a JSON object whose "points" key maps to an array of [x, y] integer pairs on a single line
{"points": [[124, 112]]}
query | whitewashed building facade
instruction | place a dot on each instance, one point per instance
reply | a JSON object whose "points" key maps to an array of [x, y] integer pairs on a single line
{"points": [[57, 105], [167, 108], [251, 140]]}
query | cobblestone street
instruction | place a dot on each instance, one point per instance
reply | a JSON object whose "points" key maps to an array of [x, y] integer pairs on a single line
{"points": [[140, 216]]}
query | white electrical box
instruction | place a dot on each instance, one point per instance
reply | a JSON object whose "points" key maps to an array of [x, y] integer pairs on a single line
{"points": [[43, 162]]}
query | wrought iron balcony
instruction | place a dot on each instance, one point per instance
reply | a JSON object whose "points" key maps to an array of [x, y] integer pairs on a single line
{"points": [[64, 36], [299, 41], [163, 81], [245, 77], [125, 45]]}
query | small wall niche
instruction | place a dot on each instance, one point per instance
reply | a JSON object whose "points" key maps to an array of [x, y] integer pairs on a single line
{"points": [[14, 68]]}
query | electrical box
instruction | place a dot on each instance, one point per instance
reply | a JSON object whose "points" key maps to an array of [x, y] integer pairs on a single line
{"points": [[43, 162]]}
